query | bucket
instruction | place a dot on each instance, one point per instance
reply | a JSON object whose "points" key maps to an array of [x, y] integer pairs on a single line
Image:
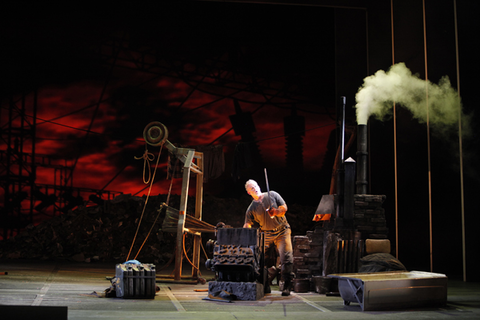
{"points": [[322, 284]]}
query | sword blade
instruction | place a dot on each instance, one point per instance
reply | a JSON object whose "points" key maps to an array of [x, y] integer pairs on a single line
{"points": [[268, 190]]}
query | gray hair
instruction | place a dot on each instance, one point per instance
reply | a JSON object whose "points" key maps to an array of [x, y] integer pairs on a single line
{"points": [[249, 183]]}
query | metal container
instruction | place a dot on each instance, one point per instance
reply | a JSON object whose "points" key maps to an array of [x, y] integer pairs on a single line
{"points": [[135, 281], [392, 290]]}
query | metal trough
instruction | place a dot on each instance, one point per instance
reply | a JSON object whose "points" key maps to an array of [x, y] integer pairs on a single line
{"points": [[392, 290]]}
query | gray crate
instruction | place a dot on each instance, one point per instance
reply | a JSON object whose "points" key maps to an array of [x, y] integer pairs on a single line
{"points": [[135, 281]]}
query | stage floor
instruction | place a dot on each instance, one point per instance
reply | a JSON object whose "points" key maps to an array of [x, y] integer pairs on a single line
{"points": [[79, 288]]}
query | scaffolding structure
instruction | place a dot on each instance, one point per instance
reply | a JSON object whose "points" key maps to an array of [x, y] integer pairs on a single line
{"points": [[23, 196], [219, 75]]}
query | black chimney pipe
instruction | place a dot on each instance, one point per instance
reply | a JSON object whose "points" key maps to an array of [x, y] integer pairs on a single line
{"points": [[362, 154]]}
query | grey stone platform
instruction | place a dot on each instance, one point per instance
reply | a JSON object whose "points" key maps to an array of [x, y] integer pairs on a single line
{"points": [[78, 287]]}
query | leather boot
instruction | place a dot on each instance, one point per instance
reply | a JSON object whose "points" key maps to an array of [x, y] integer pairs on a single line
{"points": [[287, 275], [287, 286]]}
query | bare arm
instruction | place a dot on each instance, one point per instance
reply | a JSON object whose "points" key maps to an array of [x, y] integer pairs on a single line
{"points": [[280, 211]]}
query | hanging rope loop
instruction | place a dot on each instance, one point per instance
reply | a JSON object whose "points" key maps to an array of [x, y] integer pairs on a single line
{"points": [[146, 201], [147, 158]]}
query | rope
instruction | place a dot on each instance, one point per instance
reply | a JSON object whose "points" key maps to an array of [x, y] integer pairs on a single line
{"points": [[171, 182], [147, 157], [460, 147], [150, 231], [204, 252], [158, 214], [146, 201], [186, 256], [429, 166]]}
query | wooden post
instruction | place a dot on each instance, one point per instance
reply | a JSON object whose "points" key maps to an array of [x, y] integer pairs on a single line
{"points": [[197, 238], [181, 215]]}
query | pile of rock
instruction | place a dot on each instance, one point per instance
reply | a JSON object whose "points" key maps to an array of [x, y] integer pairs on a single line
{"points": [[106, 232]]}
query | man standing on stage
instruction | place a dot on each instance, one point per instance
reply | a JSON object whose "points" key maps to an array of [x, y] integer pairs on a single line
{"points": [[268, 210]]}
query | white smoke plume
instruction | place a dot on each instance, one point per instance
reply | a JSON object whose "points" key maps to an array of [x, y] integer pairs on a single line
{"points": [[379, 91]]}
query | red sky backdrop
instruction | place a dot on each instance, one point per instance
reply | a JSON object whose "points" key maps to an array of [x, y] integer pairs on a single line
{"points": [[65, 112]]}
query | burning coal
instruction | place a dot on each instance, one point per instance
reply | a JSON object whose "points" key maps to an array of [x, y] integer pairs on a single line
{"points": [[378, 92]]}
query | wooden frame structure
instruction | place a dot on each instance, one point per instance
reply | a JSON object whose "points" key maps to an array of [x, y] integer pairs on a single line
{"points": [[156, 134], [187, 156]]}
